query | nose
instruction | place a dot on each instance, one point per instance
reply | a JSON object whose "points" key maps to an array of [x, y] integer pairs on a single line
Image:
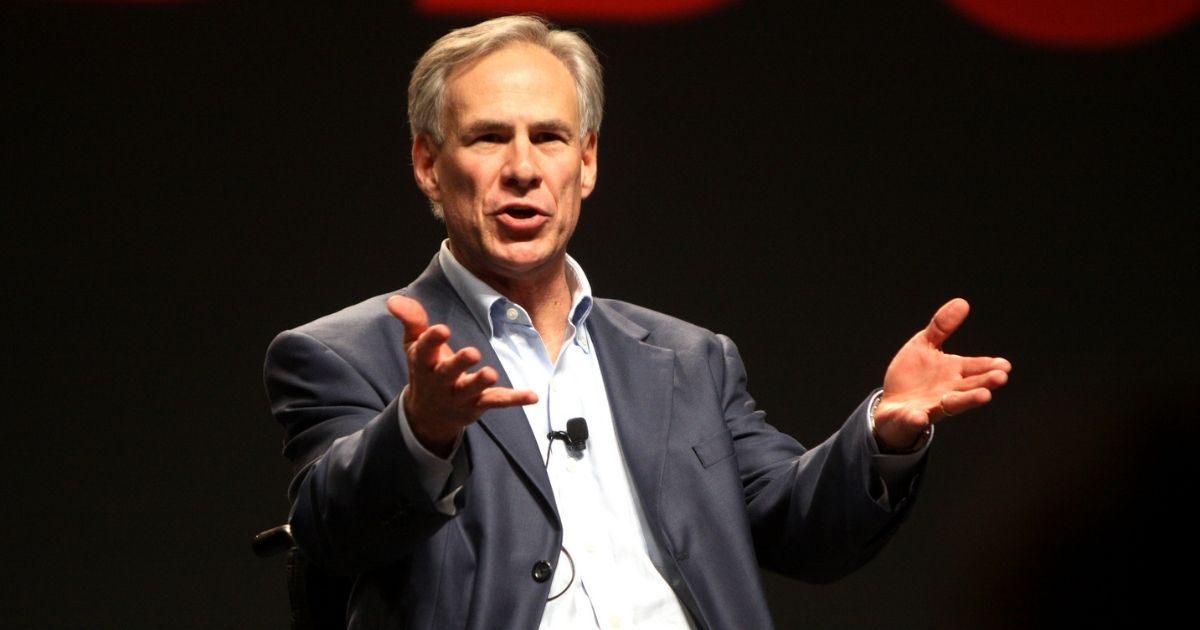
{"points": [[521, 171]]}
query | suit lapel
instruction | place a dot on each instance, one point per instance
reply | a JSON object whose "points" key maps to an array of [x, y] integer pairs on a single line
{"points": [[508, 427], [639, 379]]}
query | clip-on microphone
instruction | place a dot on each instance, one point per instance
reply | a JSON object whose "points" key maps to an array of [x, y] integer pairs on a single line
{"points": [[575, 436]]}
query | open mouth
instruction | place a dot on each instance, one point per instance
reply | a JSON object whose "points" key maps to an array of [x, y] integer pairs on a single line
{"points": [[520, 212], [520, 221]]}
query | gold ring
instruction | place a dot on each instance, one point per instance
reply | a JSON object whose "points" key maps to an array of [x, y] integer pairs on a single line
{"points": [[942, 406]]}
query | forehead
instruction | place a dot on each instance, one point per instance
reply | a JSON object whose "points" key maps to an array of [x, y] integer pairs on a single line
{"points": [[517, 82]]}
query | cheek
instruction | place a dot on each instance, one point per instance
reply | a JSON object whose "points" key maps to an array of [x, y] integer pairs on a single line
{"points": [[462, 179], [453, 182]]}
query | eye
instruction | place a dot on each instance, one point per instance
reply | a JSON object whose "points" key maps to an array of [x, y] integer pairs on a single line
{"points": [[543, 137], [489, 138]]}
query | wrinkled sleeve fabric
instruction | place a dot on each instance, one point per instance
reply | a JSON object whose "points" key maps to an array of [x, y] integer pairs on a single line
{"points": [[358, 501], [441, 478], [819, 513]]}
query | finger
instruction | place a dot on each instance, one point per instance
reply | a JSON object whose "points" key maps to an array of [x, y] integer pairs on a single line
{"points": [[430, 346], [411, 314], [993, 379], [497, 397], [979, 365], [946, 320], [955, 403], [457, 363], [474, 383]]}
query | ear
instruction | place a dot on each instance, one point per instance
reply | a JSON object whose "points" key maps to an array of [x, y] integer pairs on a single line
{"points": [[424, 159], [588, 157]]}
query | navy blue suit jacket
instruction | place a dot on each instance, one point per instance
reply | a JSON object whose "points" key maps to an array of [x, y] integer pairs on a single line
{"points": [[723, 492]]}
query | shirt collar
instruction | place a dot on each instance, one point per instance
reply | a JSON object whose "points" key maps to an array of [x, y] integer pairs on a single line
{"points": [[484, 302]]}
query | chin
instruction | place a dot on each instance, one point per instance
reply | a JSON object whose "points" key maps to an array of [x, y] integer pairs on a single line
{"points": [[524, 256], [524, 250]]}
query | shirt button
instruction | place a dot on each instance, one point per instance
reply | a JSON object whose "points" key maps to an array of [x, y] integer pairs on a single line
{"points": [[570, 465], [615, 622], [512, 314]]}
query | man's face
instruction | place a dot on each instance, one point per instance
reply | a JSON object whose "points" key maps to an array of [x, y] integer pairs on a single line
{"points": [[513, 169]]}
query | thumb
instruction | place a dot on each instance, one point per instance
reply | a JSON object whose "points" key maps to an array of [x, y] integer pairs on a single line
{"points": [[946, 320], [411, 314]]}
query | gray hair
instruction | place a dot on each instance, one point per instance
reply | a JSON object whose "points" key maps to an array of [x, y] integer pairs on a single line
{"points": [[427, 89]]}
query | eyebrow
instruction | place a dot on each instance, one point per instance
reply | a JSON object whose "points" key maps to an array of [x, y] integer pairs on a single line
{"points": [[485, 125]]}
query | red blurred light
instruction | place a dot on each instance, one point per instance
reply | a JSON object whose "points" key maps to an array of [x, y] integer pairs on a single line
{"points": [[598, 10], [1080, 23]]}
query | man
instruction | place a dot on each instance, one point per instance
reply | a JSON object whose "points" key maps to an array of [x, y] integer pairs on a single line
{"points": [[442, 489]]}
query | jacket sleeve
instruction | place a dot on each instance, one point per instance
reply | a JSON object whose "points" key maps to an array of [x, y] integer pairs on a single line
{"points": [[815, 514], [357, 500]]}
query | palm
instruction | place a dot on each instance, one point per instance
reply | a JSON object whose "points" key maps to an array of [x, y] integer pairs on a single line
{"points": [[441, 396], [924, 384]]}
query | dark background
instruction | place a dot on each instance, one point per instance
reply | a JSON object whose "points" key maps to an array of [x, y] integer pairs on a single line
{"points": [[183, 182]]}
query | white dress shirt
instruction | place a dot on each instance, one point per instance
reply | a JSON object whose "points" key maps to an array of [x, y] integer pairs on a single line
{"points": [[610, 579]]}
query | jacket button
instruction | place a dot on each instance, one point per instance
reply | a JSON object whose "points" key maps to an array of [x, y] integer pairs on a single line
{"points": [[542, 571]]}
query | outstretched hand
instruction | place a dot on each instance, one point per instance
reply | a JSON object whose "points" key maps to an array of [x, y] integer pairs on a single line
{"points": [[442, 397], [924, 384]]}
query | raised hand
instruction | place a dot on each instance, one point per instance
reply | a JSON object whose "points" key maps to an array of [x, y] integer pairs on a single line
{"points": [[925, 385], [442, 397]]}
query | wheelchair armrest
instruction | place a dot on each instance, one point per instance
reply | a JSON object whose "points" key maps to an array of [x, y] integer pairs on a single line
{"points": [[273, 542]]}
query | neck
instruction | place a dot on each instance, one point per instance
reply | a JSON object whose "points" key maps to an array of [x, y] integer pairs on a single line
{"points": [[544, 292], [548, 304], [546, 299]]}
